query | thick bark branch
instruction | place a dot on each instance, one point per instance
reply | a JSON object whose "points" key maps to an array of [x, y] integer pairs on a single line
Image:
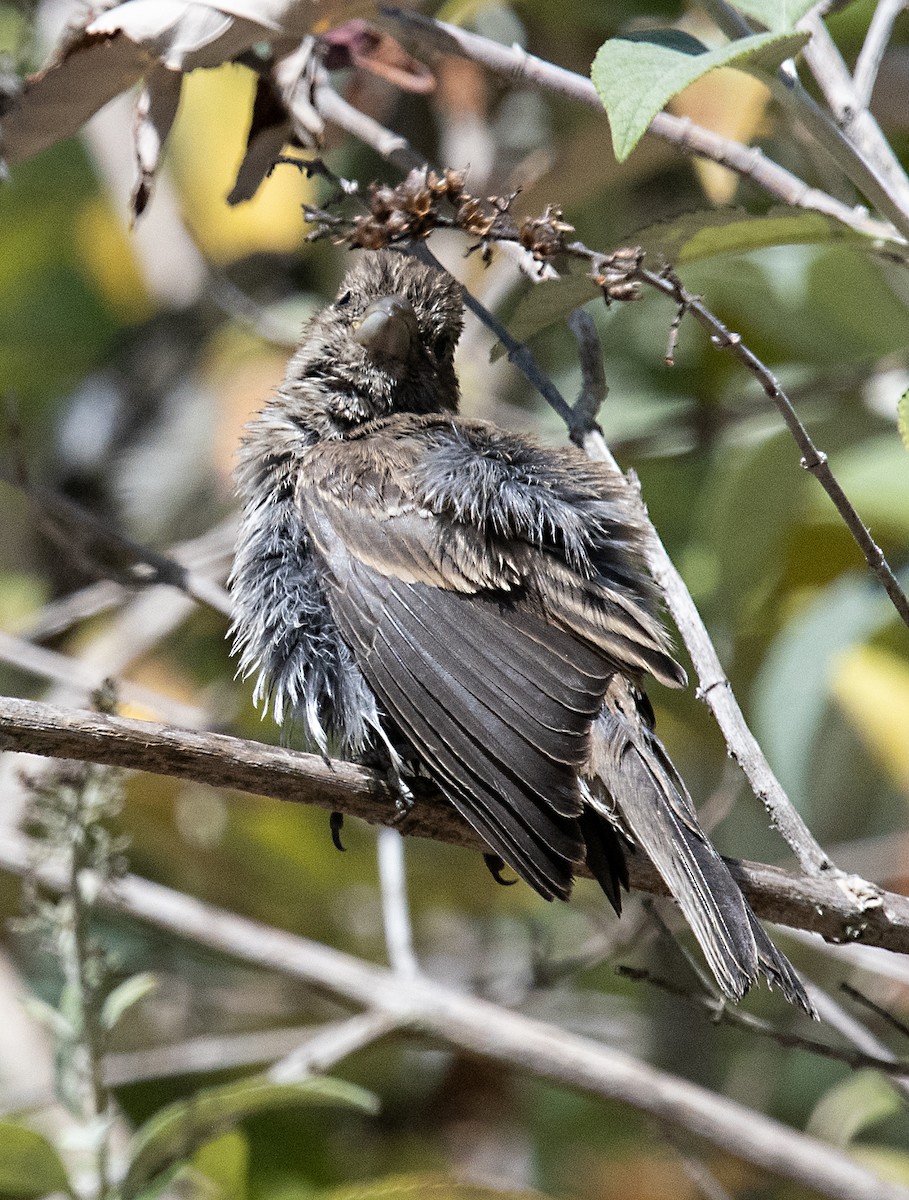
{"points": [[840, 908], [481, 1028]]}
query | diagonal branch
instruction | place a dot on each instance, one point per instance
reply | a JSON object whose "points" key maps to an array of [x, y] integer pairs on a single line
{"points": [[874, 47], [813, 460], [838, 907], [479, 1027], [857, 126]]}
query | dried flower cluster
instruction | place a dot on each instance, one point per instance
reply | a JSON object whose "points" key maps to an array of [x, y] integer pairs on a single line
{"points": [[429, 200], [616, 273]]}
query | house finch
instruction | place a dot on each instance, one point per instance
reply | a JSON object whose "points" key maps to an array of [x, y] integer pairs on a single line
{"points": [[426, 590]]}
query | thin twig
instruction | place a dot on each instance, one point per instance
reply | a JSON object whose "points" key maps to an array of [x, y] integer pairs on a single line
{"points": [[73, 673], [79, 969], [389, 145], [839, 908], [832, 1013], [203, 1055], [485, 1029], [519, 67], [695, 1168], [328, 1045], [395, 909], [858, 127], [594, 388], [293, 1052], [720, 1013], [813, 460], [877, 1009], [60, 615], [875, 44], [111, 552]]}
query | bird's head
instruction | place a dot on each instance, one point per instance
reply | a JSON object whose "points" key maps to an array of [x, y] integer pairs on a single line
{"points": [[385, 345]]}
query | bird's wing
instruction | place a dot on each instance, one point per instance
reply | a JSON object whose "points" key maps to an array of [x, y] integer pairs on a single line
{"points": [[497, 699], [497, 705], [466, 507]]}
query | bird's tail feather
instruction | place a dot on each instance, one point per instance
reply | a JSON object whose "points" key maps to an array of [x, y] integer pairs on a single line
{"points": [[632, 781]]}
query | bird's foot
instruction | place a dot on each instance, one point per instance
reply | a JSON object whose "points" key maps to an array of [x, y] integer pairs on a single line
{"points": [[404, 800]]}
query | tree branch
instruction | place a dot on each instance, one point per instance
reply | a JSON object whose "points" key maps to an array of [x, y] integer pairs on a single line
{"points": [[839, 907], [873, 48], [481, 1028], [748, 161], [813, 460], [856, 125]]}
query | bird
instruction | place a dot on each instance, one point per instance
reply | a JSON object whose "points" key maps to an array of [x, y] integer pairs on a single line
{"points": [[438, 595]]}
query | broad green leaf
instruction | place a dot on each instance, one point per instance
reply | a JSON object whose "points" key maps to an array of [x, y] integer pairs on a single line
{"points": [[792, 689], [225, 1162], [693, 237], [29, 1165], [747, 504], [543, 304], [176, 1132], [638, 74], [902, 418], [416, 1187], [860, 1100], [708, 233], [124, 996], [777, 15], [874, 474]]}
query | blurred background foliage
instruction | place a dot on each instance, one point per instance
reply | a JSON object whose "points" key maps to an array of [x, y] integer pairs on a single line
{"points": [[135, 357]]}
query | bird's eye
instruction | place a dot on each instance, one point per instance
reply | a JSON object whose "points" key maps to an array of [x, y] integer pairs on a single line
{"points": [[342, 301]]}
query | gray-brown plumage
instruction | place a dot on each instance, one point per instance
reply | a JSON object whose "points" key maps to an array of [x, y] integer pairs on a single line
{"points": [[449, 594]]}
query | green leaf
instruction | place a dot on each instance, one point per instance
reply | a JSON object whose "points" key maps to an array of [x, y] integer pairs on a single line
{"points": [[860, 1100], [748, 538], [29, 1165], [902, 418], [777, 15], [792, 689], [874, 474], [692, 237], [176, 1132], [124, 996], [544, 303], [708, 233], [636, 75], [225, 1162]]}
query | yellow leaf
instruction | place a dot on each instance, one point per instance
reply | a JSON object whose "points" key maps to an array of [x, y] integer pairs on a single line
{"points": [[207, 145], [728, 102], [872, 688], [107, 254]]}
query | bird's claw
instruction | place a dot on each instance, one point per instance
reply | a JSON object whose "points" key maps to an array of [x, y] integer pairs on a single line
{"points": [[404, 800]]}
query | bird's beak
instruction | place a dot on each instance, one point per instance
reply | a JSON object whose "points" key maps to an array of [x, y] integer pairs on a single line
{"points": [[388, 328]]}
